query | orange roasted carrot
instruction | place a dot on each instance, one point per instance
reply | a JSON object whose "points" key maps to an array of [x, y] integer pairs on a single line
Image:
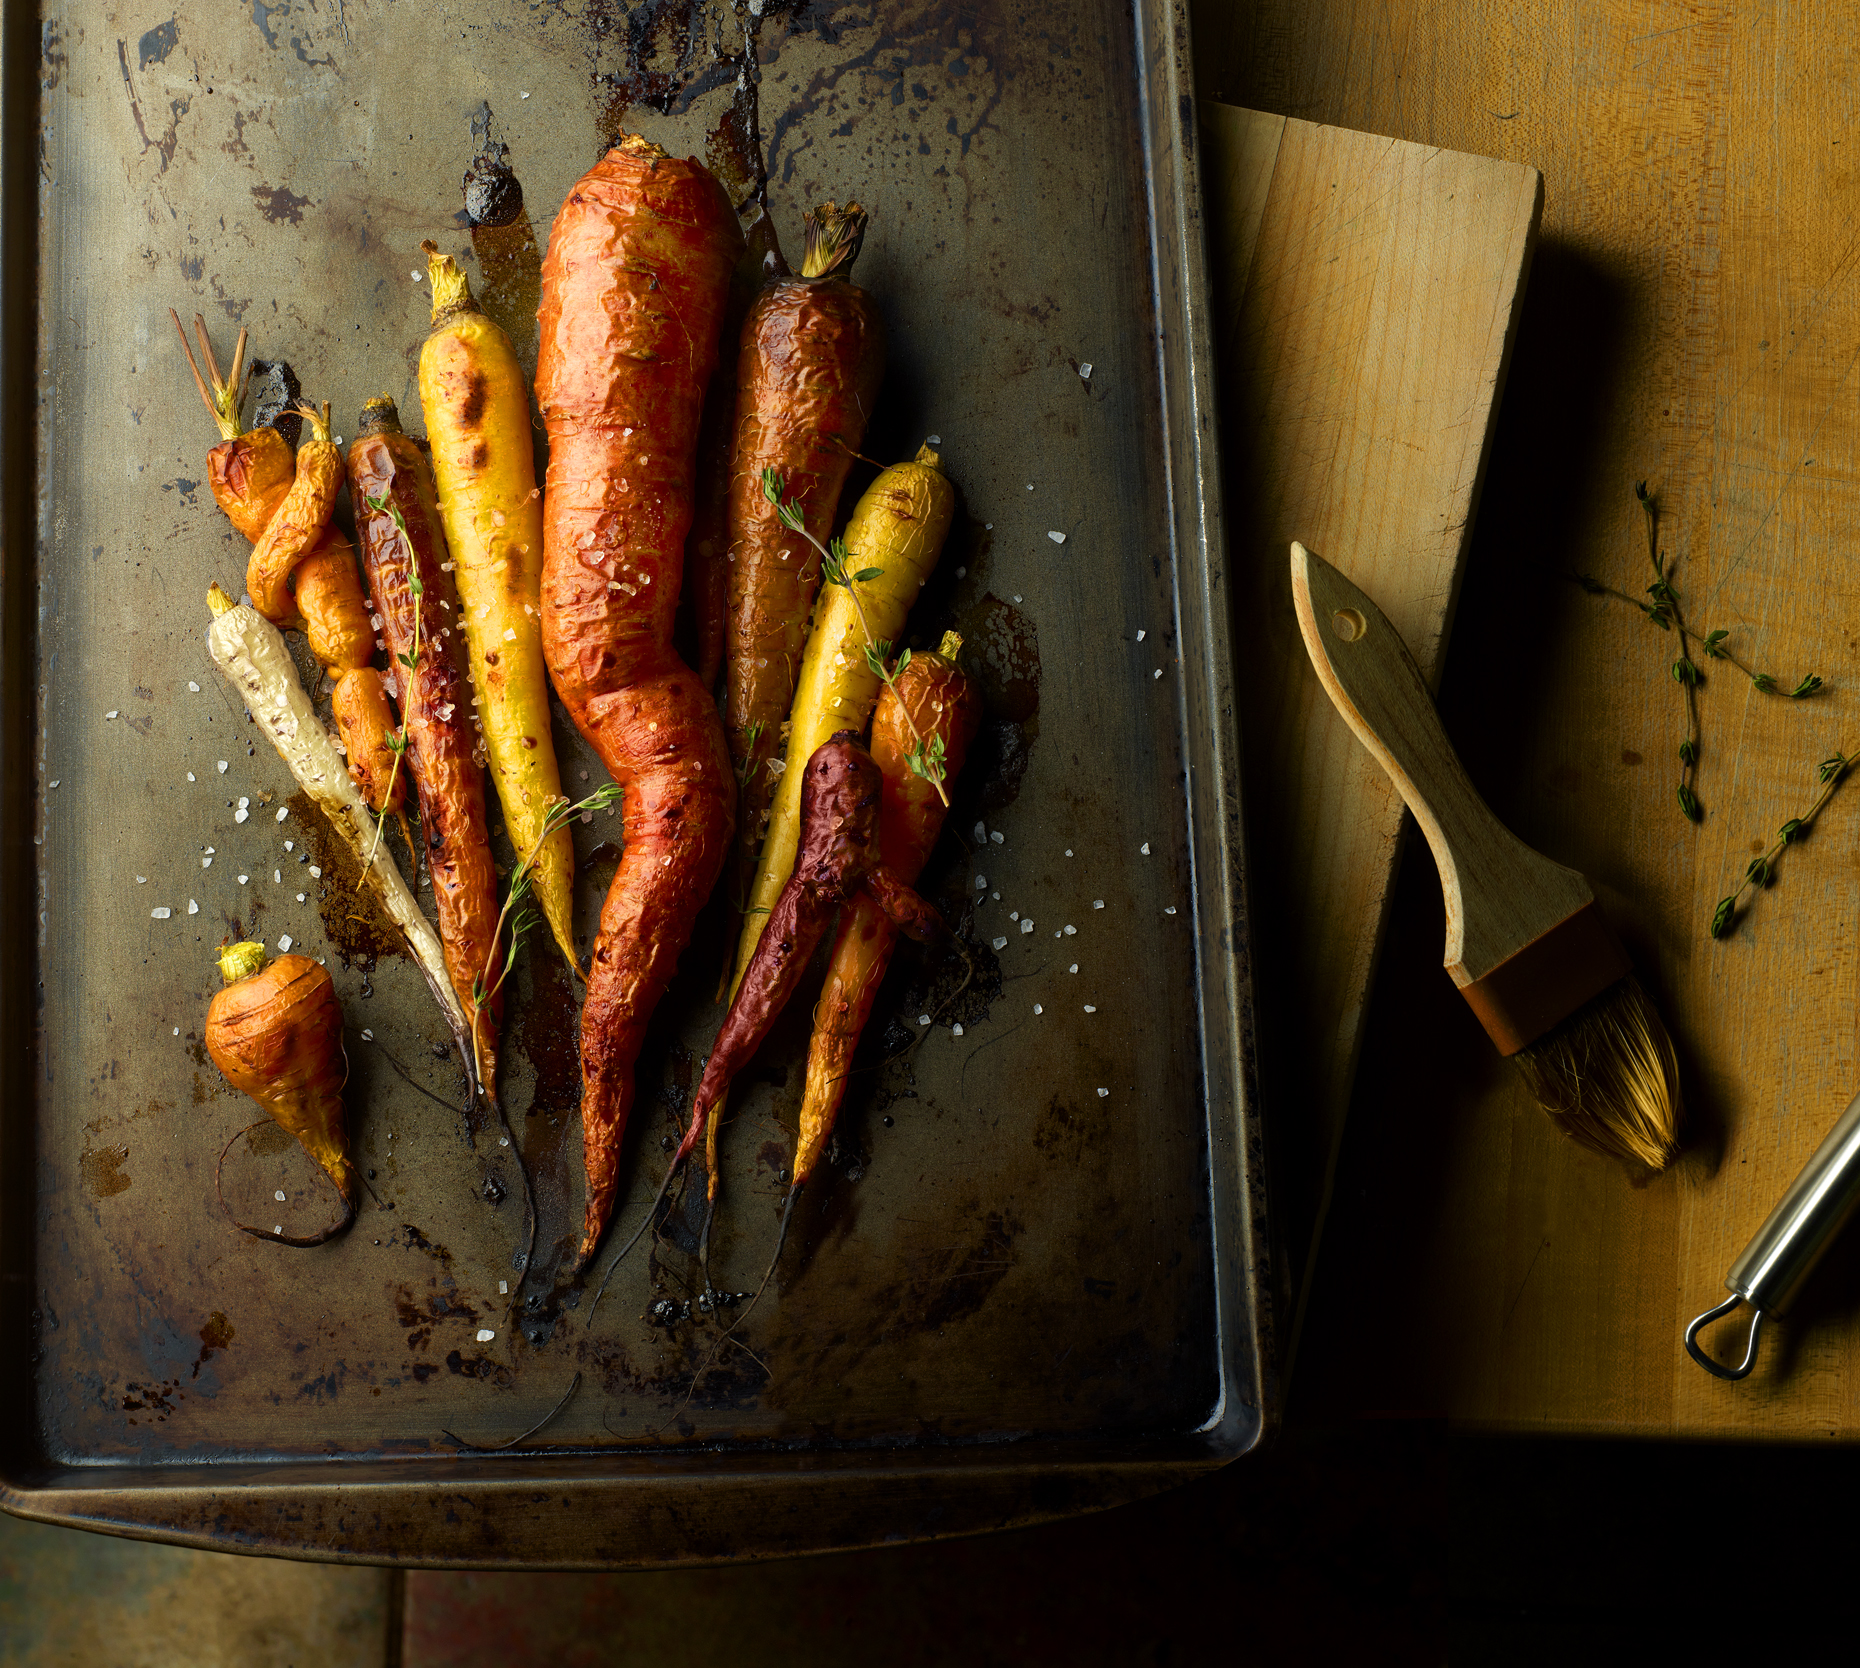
{"points": [[301, 570], [409, 574], [276, 1032], [250, 470], [633, 290], [947, 707], [812, 353]]}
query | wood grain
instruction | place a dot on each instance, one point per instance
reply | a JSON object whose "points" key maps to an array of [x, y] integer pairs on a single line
{"points": [[1692, 320], [1365, 291]]}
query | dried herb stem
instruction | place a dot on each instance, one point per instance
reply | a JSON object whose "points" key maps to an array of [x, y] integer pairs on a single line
{"points": [[1761, 871], [1666, 612]]}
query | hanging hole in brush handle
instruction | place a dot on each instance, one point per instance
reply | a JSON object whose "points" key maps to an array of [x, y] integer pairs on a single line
{"points": [[1742, 1370]]}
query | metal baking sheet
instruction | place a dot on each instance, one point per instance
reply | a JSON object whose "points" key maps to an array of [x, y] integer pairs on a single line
{"points": [[1030, 1280]]}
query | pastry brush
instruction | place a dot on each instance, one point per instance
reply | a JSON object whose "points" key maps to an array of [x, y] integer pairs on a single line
{"points": [[1526, 944]]}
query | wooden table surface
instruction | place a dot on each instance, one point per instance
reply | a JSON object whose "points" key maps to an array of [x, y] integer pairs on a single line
{"points": [[1692, 319]]}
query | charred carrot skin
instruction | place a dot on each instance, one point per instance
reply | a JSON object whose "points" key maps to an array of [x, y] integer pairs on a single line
{"points": [[484, 467], [633, 289], [811, 357], [946, 704], [387, 468]]}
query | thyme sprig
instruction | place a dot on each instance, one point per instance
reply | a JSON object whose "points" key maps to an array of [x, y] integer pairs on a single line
{"points": [[925, 759], [410, 658], [1664, 611], [1761, 871], [519, 912]]}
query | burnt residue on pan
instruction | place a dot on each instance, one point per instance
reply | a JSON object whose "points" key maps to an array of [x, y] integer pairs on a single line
{"points": [[502, 236], [1001, 650], [358, 927], [276, 394]]}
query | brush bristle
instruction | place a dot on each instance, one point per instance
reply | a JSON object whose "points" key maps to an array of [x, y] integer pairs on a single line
{"points": [[1608, 1076]]}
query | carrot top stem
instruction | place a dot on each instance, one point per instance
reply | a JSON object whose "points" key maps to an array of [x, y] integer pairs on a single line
{"points": [[240, 961], [451, 288], [227, 392], [834, 235]]}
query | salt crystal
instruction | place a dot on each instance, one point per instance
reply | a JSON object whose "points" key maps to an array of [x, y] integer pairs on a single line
{"points": [[1090, 1009], [190, 777], [416, 275], [1085, 371], [1104, 1094], [279, 1195], [485, 1334], [923, 1019], [222, 767], [998, 837], [981, 833], [1027, 924], [243, 879], [1157, 673], [1000, 943], [300, 897], [161, 914], [1056, 537], [1073, 968], [177, 1030], [1169, 910], [142, 880], [1097, 903], [955, 1030], [1144, 848], [192, 907], [1038, 1009], [283, 812], [206, 862], [1070, 929], [110, 714], [503, 1286], [290, 845], [1068, 851], [277, 877], [933, 440], [369, 1036], [241, 814], [316, 872], [1141, 635], [285, 941], [510, 634], [981, 883], [193, 687], [962, 573]]}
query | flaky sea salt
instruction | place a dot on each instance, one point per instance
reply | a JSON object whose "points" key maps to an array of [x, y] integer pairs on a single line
{"points": [[192, 907], [485, 1334], [161, 914], [1056, 536], [1027, 924], [999, 943]]}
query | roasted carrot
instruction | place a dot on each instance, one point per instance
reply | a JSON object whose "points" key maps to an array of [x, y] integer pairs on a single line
{"points": [[891, 544], [839, 860], [250, 470], [633, 289], [812, 354], [250, 651], [404, 551], [945, 703], [276, 1032], [484, 467], [296, 526]]}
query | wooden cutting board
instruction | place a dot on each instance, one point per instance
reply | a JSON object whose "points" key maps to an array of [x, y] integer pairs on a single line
{"points": [[1366, 292]]}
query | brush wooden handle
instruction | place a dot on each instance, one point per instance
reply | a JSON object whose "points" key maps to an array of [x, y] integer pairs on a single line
{"points": [[1501, 895]]}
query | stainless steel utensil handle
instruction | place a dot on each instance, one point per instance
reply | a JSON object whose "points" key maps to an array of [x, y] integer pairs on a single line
{"points": [[1771, 1269]]}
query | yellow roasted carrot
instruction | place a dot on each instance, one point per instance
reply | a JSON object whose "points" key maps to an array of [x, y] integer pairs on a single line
{"points": [[892, 543], [478, 423]]}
